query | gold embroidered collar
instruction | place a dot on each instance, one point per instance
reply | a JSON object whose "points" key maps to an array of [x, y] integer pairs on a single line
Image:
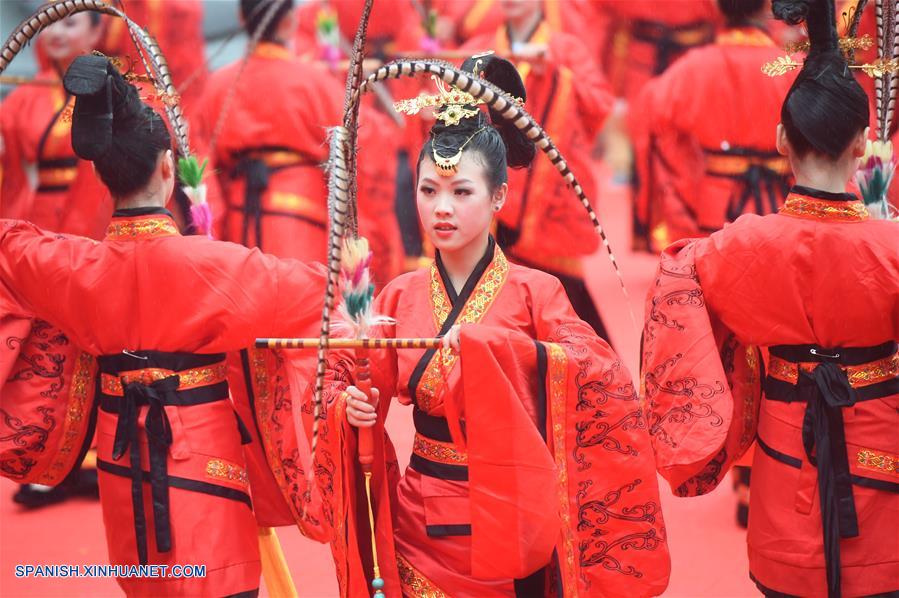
{"points": [[141, 227], [813, 208], [744, 36]]}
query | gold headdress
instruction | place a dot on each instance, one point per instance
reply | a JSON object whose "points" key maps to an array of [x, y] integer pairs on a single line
{"points": [[451, 106], [455, 103], [848, 44]]}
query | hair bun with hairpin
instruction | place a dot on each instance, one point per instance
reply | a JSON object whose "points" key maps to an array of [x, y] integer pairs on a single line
{"points": [[520, 150]]}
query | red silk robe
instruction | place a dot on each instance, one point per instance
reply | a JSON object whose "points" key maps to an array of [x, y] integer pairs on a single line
{"points": [[819, 272], [202, 299], [646, 36], [698, 163], [42, 180], [528, 441], [269, 160]]}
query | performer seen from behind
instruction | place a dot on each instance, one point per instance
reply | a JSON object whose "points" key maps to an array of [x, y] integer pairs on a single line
{"points": [[148, 323], [813, 288], [700, 164]]}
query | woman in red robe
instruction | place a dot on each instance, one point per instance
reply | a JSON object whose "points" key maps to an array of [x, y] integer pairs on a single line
{"points": [[811, 293], [698, 164], [41, 178], [529, 433], [269, 155], [174, 456], [541, 227]]}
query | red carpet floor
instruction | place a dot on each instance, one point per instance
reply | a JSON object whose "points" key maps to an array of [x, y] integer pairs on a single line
{"points": [[708, 549]]}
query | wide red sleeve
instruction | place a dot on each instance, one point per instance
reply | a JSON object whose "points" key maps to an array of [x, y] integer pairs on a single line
{"points": [[613, 520], [702, 385]]}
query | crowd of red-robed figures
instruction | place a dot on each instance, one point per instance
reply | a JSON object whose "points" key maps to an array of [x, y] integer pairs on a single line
{"points": [[595, 82]]}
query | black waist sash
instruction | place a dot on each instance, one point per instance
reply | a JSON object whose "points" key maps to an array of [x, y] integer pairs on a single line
{"points": [[156, 396], [826, 391], [435, 428], [256, 167], [760, 181], [670, 41]]}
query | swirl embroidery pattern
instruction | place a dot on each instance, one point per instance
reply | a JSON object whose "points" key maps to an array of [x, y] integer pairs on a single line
{"points": [[45, 361], [595, 430]]}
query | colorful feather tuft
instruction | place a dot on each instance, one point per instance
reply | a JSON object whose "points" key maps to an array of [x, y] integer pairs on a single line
{"points": [[875, 176], [357, 289]]}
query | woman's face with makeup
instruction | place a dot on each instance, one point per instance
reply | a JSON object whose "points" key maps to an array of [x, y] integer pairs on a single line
{"points": [[456, 210]]}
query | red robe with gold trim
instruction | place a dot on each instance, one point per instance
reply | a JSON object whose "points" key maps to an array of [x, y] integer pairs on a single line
{"points": [[528, 441], [186, 296], [821, 273], [41, 178], [699, 165]]}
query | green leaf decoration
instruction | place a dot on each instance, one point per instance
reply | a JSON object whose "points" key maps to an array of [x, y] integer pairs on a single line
{"points": [[191, 172]]}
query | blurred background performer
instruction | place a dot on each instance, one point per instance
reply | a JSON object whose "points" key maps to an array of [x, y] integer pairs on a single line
{"points": [[541, 226], [704, 151], [268, 155], [43, 181], [814, 286], [325, 33]]}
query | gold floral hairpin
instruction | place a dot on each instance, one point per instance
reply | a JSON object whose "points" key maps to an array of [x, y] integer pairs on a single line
{"points": [[455, 104]]}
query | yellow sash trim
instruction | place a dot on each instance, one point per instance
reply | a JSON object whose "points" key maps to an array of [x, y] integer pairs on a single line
{"points": [[558, 390]]}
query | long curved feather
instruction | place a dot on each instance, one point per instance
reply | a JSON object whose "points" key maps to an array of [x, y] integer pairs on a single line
{"points": [[351, 110]]}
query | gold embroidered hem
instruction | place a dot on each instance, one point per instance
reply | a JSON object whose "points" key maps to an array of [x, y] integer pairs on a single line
{"points": [[414, 583], [879, 462], [821, 209], [859, 375], [441, 452], [219, 469], [149, 227], [193, 378], [432, 381], [77, 409], [558, 376]]}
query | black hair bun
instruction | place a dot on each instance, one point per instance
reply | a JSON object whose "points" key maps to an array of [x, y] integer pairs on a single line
{"points": [[520, 150], [102, 96], [791, 12], [88, 80]]}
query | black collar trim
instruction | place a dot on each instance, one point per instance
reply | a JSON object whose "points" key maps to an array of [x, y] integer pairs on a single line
{"points": [[825, 195]]}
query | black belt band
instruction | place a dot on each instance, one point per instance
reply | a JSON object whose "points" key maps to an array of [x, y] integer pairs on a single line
{"points": [[840, 355], [826, 391], [181, 483], [156, 396]]}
